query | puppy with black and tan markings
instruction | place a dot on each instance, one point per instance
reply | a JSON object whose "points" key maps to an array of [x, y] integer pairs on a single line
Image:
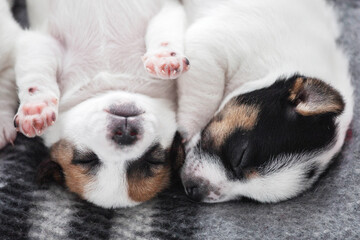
{"points": [[269, 107], [85, 77]]}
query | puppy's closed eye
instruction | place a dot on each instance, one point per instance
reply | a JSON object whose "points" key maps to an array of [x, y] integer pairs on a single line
{"points": [[148, 175], [85, 159]]}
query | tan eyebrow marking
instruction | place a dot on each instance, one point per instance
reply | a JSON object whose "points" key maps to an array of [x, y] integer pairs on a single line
{"points": [[251, 174], [232, 117]]}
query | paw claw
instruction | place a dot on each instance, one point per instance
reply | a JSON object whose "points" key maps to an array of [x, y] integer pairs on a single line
{"points": [[16, 123], [186, 60], [53, 117], [38, 124]]}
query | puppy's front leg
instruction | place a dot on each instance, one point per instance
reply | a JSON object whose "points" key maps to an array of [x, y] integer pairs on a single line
{"points": [[37, 63], [200, 90], [164, 56]]}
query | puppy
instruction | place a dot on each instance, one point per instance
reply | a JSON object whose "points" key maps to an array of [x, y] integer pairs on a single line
{"points": [[82, 86], [268, 100]]}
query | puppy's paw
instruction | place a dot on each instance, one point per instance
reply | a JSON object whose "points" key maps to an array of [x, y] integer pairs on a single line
{"points": [[36, 114], [7, 131], [165, 64]]}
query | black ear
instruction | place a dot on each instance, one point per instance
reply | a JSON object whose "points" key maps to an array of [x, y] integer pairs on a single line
{"points": [[50, 171], [313, 97], [177, 152]]}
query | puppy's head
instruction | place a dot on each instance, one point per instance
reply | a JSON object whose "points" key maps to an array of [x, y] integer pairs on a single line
{"points": [[269, 144], [113, 149]]}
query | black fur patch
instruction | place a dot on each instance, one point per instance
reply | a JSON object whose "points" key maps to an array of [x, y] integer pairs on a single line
{"points": [[49, 171], [279, 130], [177, 152]]}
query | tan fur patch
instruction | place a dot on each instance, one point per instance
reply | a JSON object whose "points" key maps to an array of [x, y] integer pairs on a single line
{"points": [[251, 174], [233, 116], [308, 110], [319, 98], [76, 177], [297, 88], [142, 188]]}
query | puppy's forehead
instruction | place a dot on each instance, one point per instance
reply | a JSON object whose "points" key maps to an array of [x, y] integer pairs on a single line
{"points": [[76, 177], [235, 115]]}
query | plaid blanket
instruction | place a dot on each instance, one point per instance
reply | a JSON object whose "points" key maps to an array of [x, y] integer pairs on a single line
{"points": [[330, 210]]}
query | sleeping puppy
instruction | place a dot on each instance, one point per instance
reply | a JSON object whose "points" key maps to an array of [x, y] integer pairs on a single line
{"points": [[82, 86], [267, 102]]}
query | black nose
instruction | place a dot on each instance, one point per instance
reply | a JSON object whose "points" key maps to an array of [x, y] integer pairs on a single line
{"points": [[125, 133], [194, 193]]}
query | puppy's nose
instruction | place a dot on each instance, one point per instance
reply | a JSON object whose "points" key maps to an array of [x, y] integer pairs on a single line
{"points": [[195, 193], [126, 131]]}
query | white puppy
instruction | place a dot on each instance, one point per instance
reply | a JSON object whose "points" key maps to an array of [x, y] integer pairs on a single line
{"points": [[268, 99], [82, 85]]}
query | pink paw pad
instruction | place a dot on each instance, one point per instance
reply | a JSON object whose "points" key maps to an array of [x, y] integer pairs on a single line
{"points": [[34, 117], [31, 108], [166, 65]]}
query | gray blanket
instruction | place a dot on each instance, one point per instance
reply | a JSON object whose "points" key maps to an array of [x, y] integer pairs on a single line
{"points": [[330, 210]]}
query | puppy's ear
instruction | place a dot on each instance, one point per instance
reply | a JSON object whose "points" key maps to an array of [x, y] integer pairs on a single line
{"points": [[313, 97], [177, 152], [50, 171]]}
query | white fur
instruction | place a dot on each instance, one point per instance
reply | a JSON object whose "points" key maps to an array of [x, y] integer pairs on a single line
{"points": [[240, 46]]}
